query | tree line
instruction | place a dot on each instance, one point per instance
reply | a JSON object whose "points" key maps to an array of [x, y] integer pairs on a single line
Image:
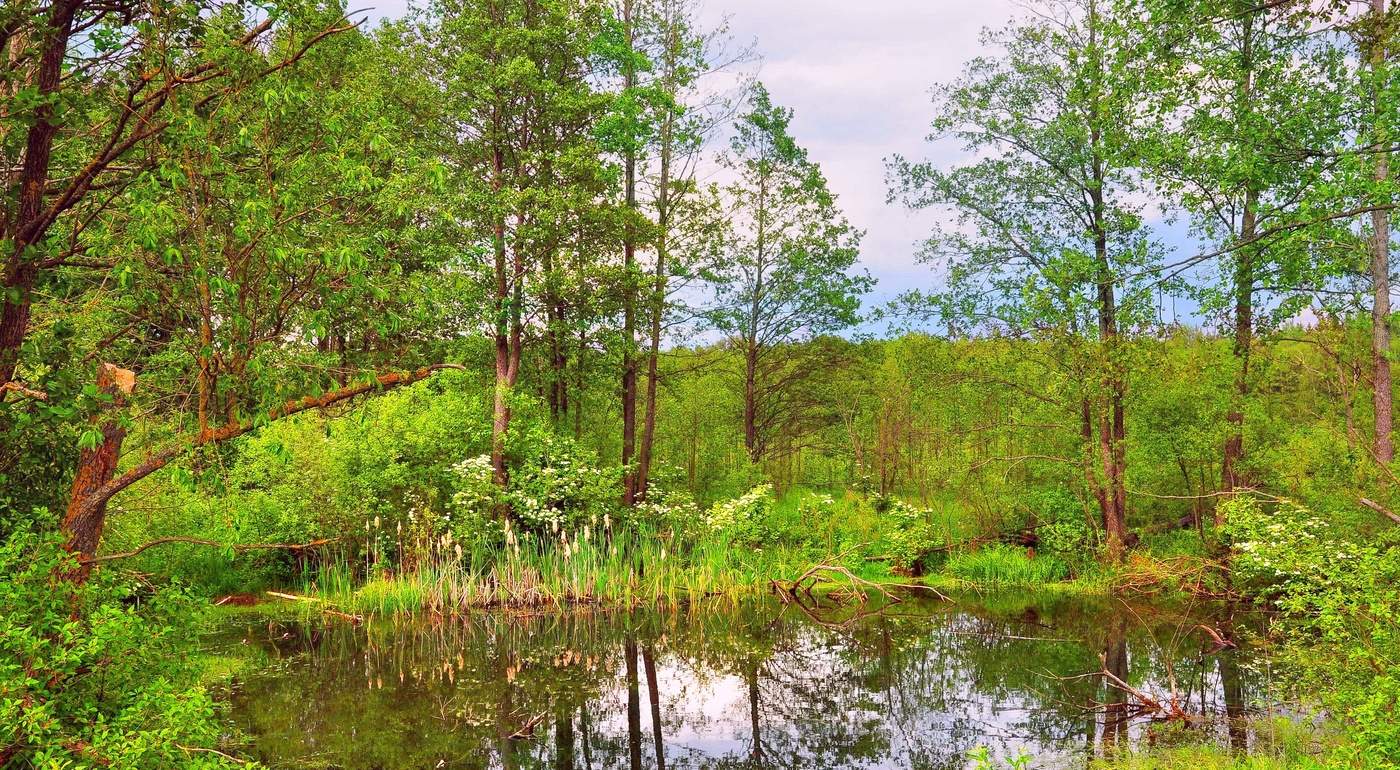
{"points": [[220, 214]]}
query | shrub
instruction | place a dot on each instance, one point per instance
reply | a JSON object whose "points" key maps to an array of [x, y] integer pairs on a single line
{"points": [[908, 535], [89, 681], [744, 518], [1062, 529], [1342, 612]]}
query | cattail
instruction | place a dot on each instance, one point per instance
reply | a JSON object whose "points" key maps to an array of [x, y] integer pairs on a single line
{"points": [[457, 548], [376, 522]]}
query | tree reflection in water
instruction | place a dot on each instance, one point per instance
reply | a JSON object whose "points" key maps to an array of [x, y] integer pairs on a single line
{"points": [[917, 685]]}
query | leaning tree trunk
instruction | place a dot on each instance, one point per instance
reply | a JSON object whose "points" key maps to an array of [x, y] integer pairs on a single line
{"points": [[86, 514], [97, 481]]}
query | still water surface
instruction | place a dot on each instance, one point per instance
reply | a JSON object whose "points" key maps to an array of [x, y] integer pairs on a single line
{"points": [[916, 685]]}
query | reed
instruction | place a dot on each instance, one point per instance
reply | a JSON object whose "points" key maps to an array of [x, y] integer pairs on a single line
{"points": [[619, 568]]}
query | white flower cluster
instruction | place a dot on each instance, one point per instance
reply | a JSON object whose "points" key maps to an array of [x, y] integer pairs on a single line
{"points": [[742, 512]]}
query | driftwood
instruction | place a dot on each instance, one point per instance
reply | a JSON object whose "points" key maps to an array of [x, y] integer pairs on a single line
{"points": [[792, 592], [1143, 702]]}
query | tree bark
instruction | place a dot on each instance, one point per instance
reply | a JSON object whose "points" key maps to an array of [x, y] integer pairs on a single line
{"points": [[505, 377], [28, 228], [86, 515], [1112, 425], [1244, 345], [658, 311], [1244, 291]]}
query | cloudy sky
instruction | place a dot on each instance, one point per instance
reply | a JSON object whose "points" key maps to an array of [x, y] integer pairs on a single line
{"points": [[857, 75]]}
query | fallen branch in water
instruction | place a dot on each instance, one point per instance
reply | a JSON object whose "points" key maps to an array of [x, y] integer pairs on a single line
{"points": [[817, 573], [1221, 643], [328, 610], [528, 729], [237, 547], [822, 571]]}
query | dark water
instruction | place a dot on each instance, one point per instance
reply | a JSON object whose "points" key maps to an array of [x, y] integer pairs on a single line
{"points": [[916, 685]]}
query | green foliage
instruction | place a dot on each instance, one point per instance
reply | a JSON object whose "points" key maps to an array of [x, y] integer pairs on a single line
{"points": [[982, 759], [89, 679], [1342, 610], [1282, 548]]}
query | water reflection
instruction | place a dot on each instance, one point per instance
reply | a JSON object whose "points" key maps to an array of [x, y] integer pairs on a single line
{"points": [[915, 686]]}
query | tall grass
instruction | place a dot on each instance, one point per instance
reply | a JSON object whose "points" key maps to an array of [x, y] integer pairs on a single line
{"points": [[1005, 565]]}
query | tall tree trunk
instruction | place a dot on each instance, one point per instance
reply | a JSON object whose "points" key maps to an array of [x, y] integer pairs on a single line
{"points": [[1244, 287], [86, 516], [751, 444], [1243, 347], [1384, 448], [1113, 424], [629, 294], [28, 227], [554, 392], [504, 381], [658, 310]]}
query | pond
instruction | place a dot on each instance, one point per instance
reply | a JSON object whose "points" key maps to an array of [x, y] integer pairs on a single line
{"points": [[912, 684]]}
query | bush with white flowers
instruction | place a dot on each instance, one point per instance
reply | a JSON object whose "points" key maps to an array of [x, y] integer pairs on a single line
{"points": [[742, 517]]}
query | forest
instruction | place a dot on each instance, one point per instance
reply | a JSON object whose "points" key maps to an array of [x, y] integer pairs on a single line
{"points": [[520, 355]]}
